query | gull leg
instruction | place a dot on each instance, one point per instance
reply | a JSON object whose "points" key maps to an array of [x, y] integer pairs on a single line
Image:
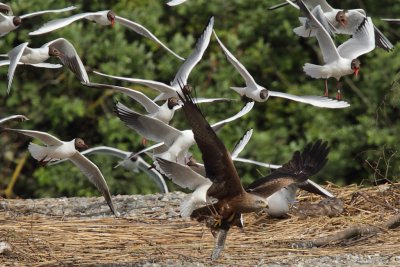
{"points": [[339, 94], [326, 88]]}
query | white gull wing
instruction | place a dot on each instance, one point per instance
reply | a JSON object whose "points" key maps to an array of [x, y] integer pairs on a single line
{"points": [[14, 55], [181, 174], [136, 27], [99, 150], [153, 174], [70, 58], [395, 21], [318, 101], [175, 2], [37, 13], [250, 82], [242, 143], [150, 128], [46, 138], [141, 164], [315, 188], [94, 175], [194, 58], [186, 178], [326, 44], [147, 103], [60, 23], [159, 86], [309, 3], [262, 164], [45, 65], [246, 109], [6, 9], [13, 117], [362, 41]]}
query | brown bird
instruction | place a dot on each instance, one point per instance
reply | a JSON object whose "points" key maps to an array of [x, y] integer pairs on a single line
{"points": [[233, 199]]}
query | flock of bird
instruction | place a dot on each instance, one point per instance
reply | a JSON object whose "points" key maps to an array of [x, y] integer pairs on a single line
{"points": [[218, 197]]}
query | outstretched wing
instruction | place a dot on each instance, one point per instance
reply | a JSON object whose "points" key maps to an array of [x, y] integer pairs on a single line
{"points": [[217, 160], [70, 58], [144, 32], [297, 170]]}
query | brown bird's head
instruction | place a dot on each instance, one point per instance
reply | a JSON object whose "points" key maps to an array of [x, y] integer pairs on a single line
{"points": [[17, 21], [111, 17], [355, 66], [172, 102], [341, 17], [80, 144]]}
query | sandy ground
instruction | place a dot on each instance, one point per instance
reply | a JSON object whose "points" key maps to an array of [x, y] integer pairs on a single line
{"points": [[150, 232]]}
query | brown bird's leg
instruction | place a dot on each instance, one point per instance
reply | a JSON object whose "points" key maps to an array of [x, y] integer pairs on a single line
{"points": [[339, 87], [326, 88]]}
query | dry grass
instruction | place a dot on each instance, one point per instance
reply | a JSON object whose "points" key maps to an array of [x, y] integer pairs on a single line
{"points": [[55, 240]]}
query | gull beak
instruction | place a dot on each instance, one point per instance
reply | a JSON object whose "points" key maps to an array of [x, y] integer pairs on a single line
{"points": [[112, 22], [356, 71]]}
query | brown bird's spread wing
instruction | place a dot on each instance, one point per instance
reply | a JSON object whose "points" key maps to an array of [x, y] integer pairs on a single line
{"points": [[217, 160], [297, 170]]}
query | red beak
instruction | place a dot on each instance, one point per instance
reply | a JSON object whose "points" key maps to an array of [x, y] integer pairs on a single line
{"points": [[356, 71], [112, 22]]}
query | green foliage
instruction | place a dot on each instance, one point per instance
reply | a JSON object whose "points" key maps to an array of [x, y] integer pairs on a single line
{"points": [[363, 137]]}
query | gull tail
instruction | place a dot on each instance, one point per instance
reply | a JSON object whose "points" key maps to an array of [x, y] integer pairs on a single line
{"points": [[302, 31], [240, 90], [314, 71], [38, 152], [187, 206]]}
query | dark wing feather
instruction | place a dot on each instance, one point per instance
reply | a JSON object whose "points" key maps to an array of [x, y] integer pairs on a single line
{"points": [[217, 160], [297, 170], [382, 41]]}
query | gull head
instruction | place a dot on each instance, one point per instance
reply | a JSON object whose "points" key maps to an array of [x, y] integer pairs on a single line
{"points": [[54, 52], [264, 94], [80, 144], [111, 17], [17, 21], [172, 102], [355, 66], [341, 17]]}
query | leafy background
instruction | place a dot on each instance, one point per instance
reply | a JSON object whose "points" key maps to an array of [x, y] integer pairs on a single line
{"points": [[363, 137]]}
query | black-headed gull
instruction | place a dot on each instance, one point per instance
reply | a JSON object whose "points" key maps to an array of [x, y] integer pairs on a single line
{"points": [[22, 54], [261, 94], [104, 17], [56, 149], [342, 60], [134, 164], [13, 117], [60, 48], [341, 21], [165, 112], [175, 143], [167, 91], [9, 22], [232, 198]]}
